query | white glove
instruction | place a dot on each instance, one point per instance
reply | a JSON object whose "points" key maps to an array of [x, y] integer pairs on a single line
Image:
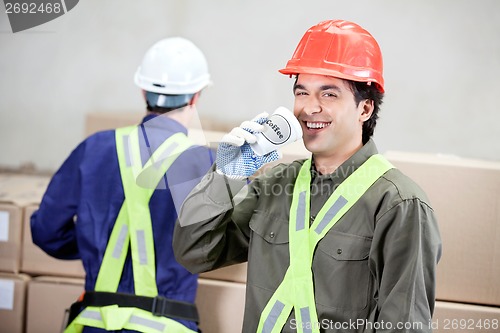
{"points": [[235, 158]]}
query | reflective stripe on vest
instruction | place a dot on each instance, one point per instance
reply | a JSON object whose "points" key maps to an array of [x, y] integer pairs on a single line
{"points": [[133, 226], [296, 291]]}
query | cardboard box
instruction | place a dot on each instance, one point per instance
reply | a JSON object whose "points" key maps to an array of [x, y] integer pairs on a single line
{"points": [[234, 273], [12, 302], [220, 306], [48, 299], [36, 262], [465, 195], [16, 192], [10, 237], [457, 317]]}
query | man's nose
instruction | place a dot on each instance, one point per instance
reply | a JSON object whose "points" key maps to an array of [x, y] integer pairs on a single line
{"points": [[312, 106]]}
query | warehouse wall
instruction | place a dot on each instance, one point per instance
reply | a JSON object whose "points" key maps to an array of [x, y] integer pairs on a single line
{"points": [[442, 68]]}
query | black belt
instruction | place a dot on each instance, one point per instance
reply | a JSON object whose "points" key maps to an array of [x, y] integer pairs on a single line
{"points": [[158, 306]]}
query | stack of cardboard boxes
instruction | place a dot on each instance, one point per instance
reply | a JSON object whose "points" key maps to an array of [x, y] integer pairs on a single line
{"points": [[23, 306], [35, 289]]}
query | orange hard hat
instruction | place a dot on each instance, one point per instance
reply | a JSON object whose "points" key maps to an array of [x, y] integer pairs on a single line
{"points": [[341, 49]]}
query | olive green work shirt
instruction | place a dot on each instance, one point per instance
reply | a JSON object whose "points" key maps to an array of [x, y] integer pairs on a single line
{"points": [[374, 271]]}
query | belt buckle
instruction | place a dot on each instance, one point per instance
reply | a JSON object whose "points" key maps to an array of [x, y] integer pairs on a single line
{"points": [[158, 306]]}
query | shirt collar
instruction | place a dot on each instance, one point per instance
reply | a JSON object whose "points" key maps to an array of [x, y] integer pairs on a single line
{"points": [[350, 165]]}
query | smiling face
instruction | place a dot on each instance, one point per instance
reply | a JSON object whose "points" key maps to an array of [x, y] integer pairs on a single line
{"points": [[331, 121]]}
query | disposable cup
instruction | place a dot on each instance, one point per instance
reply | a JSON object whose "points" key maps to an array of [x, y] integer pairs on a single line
{"points": [[280, 129]]}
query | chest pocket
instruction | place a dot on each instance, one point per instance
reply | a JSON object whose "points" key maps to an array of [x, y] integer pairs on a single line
{"points": [[272, 228], [342, 260], [342, 246]]}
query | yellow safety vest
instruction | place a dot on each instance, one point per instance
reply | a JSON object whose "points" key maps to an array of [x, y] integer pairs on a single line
{"points": [[296, 291], [133, 226]]}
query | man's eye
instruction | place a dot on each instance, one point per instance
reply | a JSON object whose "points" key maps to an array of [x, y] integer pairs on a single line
{"points": [[327, 94], [300, 93]]}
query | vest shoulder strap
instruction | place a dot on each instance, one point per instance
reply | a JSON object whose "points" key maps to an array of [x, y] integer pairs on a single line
{"points": [[133, 225]]}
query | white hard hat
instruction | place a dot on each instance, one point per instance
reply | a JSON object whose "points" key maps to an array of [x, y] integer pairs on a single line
{"points": [[173, 66]]}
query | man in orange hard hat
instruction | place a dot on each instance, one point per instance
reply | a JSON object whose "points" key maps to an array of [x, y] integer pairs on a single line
{"points": [[353, 247]]}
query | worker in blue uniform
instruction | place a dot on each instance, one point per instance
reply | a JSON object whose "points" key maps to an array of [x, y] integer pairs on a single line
{"points": [[113, 204]]}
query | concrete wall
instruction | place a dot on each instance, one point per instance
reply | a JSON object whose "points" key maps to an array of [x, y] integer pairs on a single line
{"points": [[442, 68]]}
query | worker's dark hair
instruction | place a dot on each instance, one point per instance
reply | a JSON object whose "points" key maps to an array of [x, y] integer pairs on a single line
{"points": [[363, 91], [160, 110], [162, 103]]}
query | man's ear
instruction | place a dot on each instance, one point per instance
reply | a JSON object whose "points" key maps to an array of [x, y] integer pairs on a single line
{"points": [[366, 109]]}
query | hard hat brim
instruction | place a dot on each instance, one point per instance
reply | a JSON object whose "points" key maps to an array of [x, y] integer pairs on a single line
{"points": [[356, 75]]}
